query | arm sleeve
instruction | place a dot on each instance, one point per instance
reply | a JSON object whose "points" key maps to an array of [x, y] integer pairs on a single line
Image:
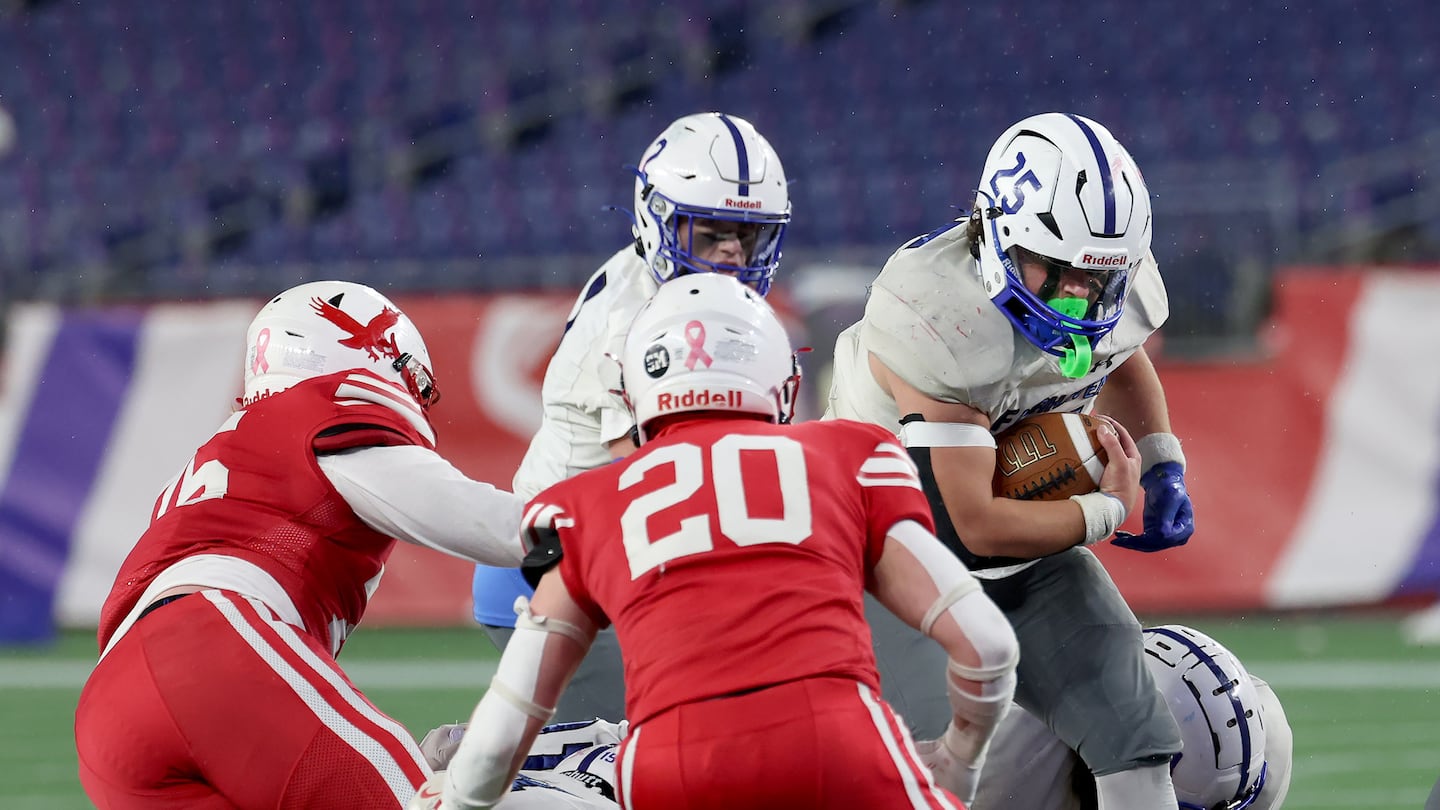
{"points": [[413, 494]]}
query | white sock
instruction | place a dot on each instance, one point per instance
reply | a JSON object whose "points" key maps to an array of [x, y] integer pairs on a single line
{"points": [[1145, 788]]}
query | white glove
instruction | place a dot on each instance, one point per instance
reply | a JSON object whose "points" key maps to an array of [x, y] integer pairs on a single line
{"points": [[440, 743], [950, 772]]}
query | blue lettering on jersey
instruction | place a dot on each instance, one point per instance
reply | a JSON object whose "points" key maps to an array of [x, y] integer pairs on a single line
{"points": [[1057, 402], [523, 782], [546, 762]]}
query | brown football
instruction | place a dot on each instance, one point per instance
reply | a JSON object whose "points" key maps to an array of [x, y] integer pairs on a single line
{"points": [[1049, 457]]}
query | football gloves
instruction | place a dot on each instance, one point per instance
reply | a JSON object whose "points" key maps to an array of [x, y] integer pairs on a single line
{"points": [[1169, 518]]}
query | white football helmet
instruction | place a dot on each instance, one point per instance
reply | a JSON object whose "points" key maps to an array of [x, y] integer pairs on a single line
{"points": [[328, 326], [1222, 766], [1059, 189], [706, 342], [710, 166]]}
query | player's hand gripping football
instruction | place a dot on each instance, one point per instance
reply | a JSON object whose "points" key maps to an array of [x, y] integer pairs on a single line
{"points": [[1121, 479], [1169, 518]]}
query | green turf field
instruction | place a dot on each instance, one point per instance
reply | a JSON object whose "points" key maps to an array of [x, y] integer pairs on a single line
{"points": [[1364, 707]]}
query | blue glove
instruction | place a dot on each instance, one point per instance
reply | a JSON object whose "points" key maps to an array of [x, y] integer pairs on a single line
{"points": [[1169, 518]]}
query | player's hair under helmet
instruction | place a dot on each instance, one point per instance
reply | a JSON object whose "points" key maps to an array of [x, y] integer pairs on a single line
{"points": [[1058, 189], [323, 327], [706, 342], [718, 167], [1222, 765]]}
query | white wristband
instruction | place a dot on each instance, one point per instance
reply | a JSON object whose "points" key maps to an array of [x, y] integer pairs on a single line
{"points": [[1158, 448], [1103, 515]]}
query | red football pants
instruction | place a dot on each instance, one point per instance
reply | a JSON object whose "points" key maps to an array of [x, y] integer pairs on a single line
{"points": [[813, 743], [213, 702]]}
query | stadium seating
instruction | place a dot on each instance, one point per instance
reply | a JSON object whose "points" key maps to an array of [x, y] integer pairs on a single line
{"points": [[199, 149]]}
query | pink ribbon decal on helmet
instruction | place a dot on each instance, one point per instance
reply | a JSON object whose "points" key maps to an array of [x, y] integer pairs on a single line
{"points": [[262, 342], [695, 339]]}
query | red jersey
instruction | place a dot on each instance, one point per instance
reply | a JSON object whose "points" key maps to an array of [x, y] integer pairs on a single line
{"points": [[733, 555], [255, 492]]}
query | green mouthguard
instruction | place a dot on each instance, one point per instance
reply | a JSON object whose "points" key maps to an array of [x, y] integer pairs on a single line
{"points": [[1075, 361]]}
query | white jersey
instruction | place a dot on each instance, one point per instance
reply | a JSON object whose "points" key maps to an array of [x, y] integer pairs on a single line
{"points": [[930, 321], [1027, 765], [582, 412], [571, 766]]}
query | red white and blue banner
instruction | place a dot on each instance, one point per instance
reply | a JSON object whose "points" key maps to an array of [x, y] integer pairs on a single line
{"points": [[1314, 466]]}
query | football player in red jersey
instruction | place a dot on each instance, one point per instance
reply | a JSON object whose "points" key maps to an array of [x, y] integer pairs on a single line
{"points": [[217, 685], [732, 552]]}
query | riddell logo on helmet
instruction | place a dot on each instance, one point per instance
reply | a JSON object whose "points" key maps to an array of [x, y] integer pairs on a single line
{"points": [[697, 399], [1096, 260], [748, 205]]}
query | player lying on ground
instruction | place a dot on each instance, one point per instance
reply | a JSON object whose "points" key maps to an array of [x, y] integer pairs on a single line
{"points": [[1237, 742], [571, 766]]}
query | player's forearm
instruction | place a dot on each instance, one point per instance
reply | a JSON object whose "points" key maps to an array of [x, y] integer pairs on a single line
{"points": [[415, 495], [1134, 397], [992, 526]]}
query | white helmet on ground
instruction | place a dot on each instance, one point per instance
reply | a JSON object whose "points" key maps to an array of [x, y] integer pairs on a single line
{"points": [[706, 342], [1059, 189], [329, 326], [1213, 699], [718, 167]]}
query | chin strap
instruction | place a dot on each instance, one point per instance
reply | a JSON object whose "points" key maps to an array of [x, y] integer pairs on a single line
{"points": [[1075, 362]]}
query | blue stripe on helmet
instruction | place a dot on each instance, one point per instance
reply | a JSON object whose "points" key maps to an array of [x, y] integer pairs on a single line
{"points": [[1107, 181], [740, 154], [1209, 662]]}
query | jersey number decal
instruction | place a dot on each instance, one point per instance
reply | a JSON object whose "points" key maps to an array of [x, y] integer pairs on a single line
{"points": [[210, 479], [1017, 188], [736, 523]]}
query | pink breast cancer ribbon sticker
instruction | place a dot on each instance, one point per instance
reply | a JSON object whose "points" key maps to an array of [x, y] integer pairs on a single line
{"points": [[695, 339], [262, 342]]}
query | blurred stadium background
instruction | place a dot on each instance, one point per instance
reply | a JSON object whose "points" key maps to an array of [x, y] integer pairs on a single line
{"points": [[165, 165]]}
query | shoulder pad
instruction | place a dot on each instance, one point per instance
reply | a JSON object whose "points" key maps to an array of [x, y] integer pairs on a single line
{"points": [[1147, 299], [360, 387], [929, 320]]}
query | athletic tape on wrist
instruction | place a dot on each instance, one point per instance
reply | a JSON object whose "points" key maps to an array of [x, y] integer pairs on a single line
{"points": [[1103, 515], [1158, 448]]}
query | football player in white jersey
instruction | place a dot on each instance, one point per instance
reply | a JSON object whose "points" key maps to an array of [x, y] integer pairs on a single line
{"points": [[571, 766], [710, 196], [1238, 744], [1040, 300]]}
